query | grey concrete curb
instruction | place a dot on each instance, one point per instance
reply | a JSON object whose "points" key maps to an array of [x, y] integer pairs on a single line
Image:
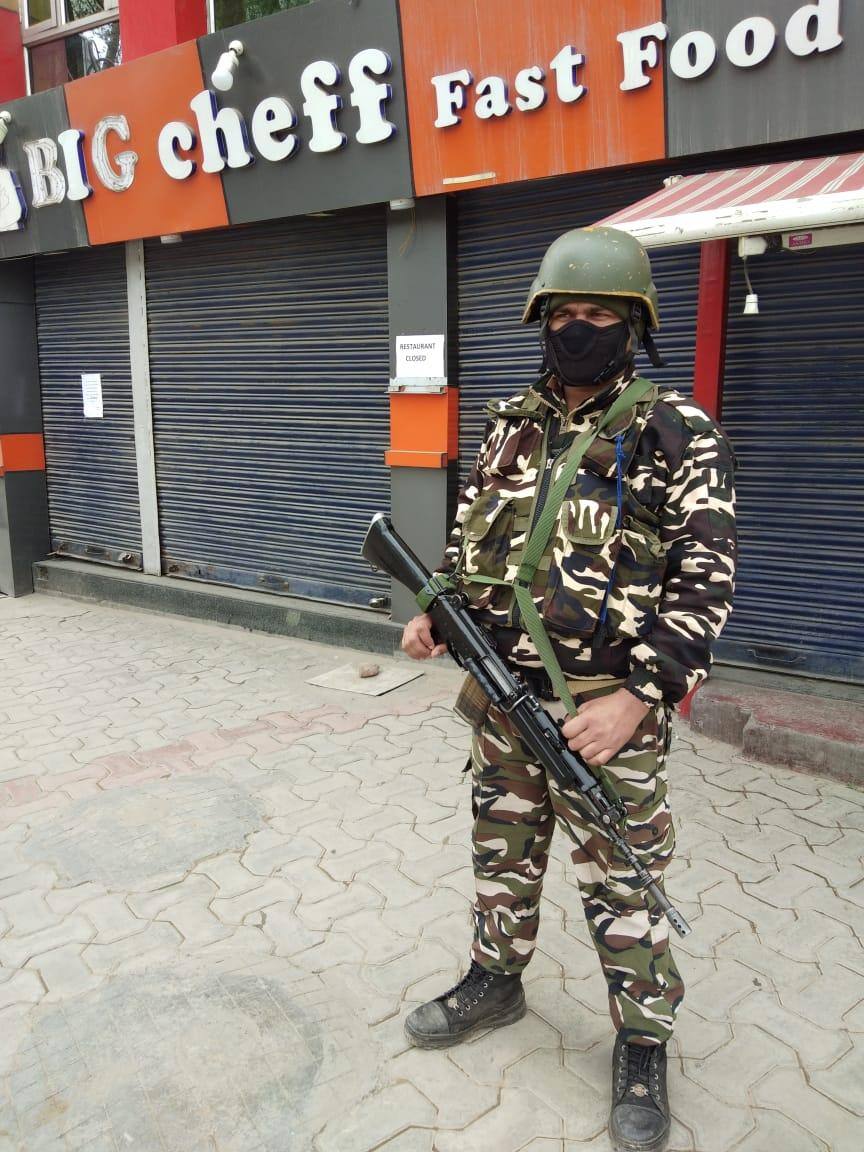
{"points": [[737, 722], [255, 611]]}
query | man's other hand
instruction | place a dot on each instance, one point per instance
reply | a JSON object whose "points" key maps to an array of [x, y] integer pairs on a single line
{"points": [[603, 725], [417, 639]]}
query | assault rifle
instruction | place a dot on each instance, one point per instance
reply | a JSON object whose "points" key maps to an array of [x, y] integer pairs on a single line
{"points": [[472, 649]]}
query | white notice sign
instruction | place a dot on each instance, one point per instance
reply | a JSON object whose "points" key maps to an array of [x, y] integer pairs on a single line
{"points": [[91, 387], [420, 357]]}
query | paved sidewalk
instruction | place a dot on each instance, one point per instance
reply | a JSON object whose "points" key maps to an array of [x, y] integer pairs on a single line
{"points": [[221, 889]]}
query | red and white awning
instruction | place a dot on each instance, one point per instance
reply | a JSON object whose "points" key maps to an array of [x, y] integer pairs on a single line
{"points": [[816, 193]]}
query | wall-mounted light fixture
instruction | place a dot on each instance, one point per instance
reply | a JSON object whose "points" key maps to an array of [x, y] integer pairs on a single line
{"points": [[751, 246], [5, 121], [223, 73]]}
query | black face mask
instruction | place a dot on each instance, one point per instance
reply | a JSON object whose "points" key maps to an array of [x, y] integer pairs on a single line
{"points": [[581, 353]]}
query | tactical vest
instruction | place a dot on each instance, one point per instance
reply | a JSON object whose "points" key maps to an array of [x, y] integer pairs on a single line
{"points": [[601, 574]]}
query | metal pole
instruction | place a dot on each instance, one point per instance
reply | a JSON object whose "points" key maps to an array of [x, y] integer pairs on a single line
{"points": [[145, 454]]}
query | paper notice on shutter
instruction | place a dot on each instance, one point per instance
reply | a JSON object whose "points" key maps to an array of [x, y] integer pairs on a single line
{"points": [[91, 388], [420, 357]]}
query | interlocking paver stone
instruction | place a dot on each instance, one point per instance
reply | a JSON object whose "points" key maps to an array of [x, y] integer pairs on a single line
{"points": [[63, 972], [222, 888], [787, 1091], [518, 1118], [457, 1099]]}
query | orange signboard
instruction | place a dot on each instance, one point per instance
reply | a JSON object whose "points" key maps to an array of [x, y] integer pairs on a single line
{"points": [[149, 93], [516, 91]]}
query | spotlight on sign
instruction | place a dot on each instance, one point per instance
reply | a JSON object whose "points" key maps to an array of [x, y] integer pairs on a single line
{"points": [[223, 73], [5, 121]]}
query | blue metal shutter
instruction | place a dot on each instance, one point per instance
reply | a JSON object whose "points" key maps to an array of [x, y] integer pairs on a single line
{"points": [[83, 327], [502, 235], [269, 366], [793, 406]]}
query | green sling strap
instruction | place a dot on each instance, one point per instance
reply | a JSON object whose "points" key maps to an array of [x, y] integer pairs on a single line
{"points": [[536, 545]]}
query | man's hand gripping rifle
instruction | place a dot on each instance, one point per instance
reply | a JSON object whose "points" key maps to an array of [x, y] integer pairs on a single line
{"points": [[472, 649]]}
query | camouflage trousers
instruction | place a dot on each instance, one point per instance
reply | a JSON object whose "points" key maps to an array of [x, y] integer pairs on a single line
{"points": [[516, 806]]}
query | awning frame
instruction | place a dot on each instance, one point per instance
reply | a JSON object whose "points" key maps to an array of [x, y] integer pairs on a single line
{"points": [[808, 195], [749, 220]]}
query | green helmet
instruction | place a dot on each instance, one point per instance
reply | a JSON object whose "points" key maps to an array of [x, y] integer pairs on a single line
{"points": [[594, 261]]}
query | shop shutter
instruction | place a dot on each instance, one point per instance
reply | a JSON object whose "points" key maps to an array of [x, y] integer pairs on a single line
{"points": [[793, 406], [502, 235], [83, 327], [269, 366]]}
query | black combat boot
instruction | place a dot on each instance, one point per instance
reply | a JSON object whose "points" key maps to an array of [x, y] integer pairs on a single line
{"points": [[481, 999], [640, 1107]]}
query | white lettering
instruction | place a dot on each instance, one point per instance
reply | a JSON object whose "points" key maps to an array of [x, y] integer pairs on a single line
{"points": [[692, 55], [369, 96], [321, 106], [450, 95], [530, 93], [271, 120], [491, 98], [640, 48], [814, 28], [565, 66], [222, 132], [48, 182], [72, 143], [174, 136], [13, 206], [115, 179], [750, 42]]}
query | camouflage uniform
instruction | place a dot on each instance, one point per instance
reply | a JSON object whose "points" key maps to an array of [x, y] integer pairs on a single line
{"points": [[636, 582]]}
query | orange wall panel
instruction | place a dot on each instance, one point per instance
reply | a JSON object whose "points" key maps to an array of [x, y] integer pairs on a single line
{"points": [[22, 452], [149, 92], [424, 429], [604, 128]]}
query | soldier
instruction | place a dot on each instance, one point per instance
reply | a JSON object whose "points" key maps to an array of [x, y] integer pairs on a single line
{"points": [[635, 584]]}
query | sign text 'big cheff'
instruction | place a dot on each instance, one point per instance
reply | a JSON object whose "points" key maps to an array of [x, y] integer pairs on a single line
{"points": [[314, 119], [224, 135]]}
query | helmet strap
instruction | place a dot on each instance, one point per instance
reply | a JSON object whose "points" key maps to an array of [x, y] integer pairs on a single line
{"points": [[651, 350], [646, 340]]}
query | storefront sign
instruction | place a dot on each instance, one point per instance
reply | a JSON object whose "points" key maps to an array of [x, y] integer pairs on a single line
{"points": [[151, 149], [223, 133], [524, 92], [317, 117], [749, 42], [13, 206], [22, 232], [741, 73], [491, 96]]}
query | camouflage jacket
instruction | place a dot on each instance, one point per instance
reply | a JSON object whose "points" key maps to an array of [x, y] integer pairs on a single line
{"points": [[637, 579]]}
